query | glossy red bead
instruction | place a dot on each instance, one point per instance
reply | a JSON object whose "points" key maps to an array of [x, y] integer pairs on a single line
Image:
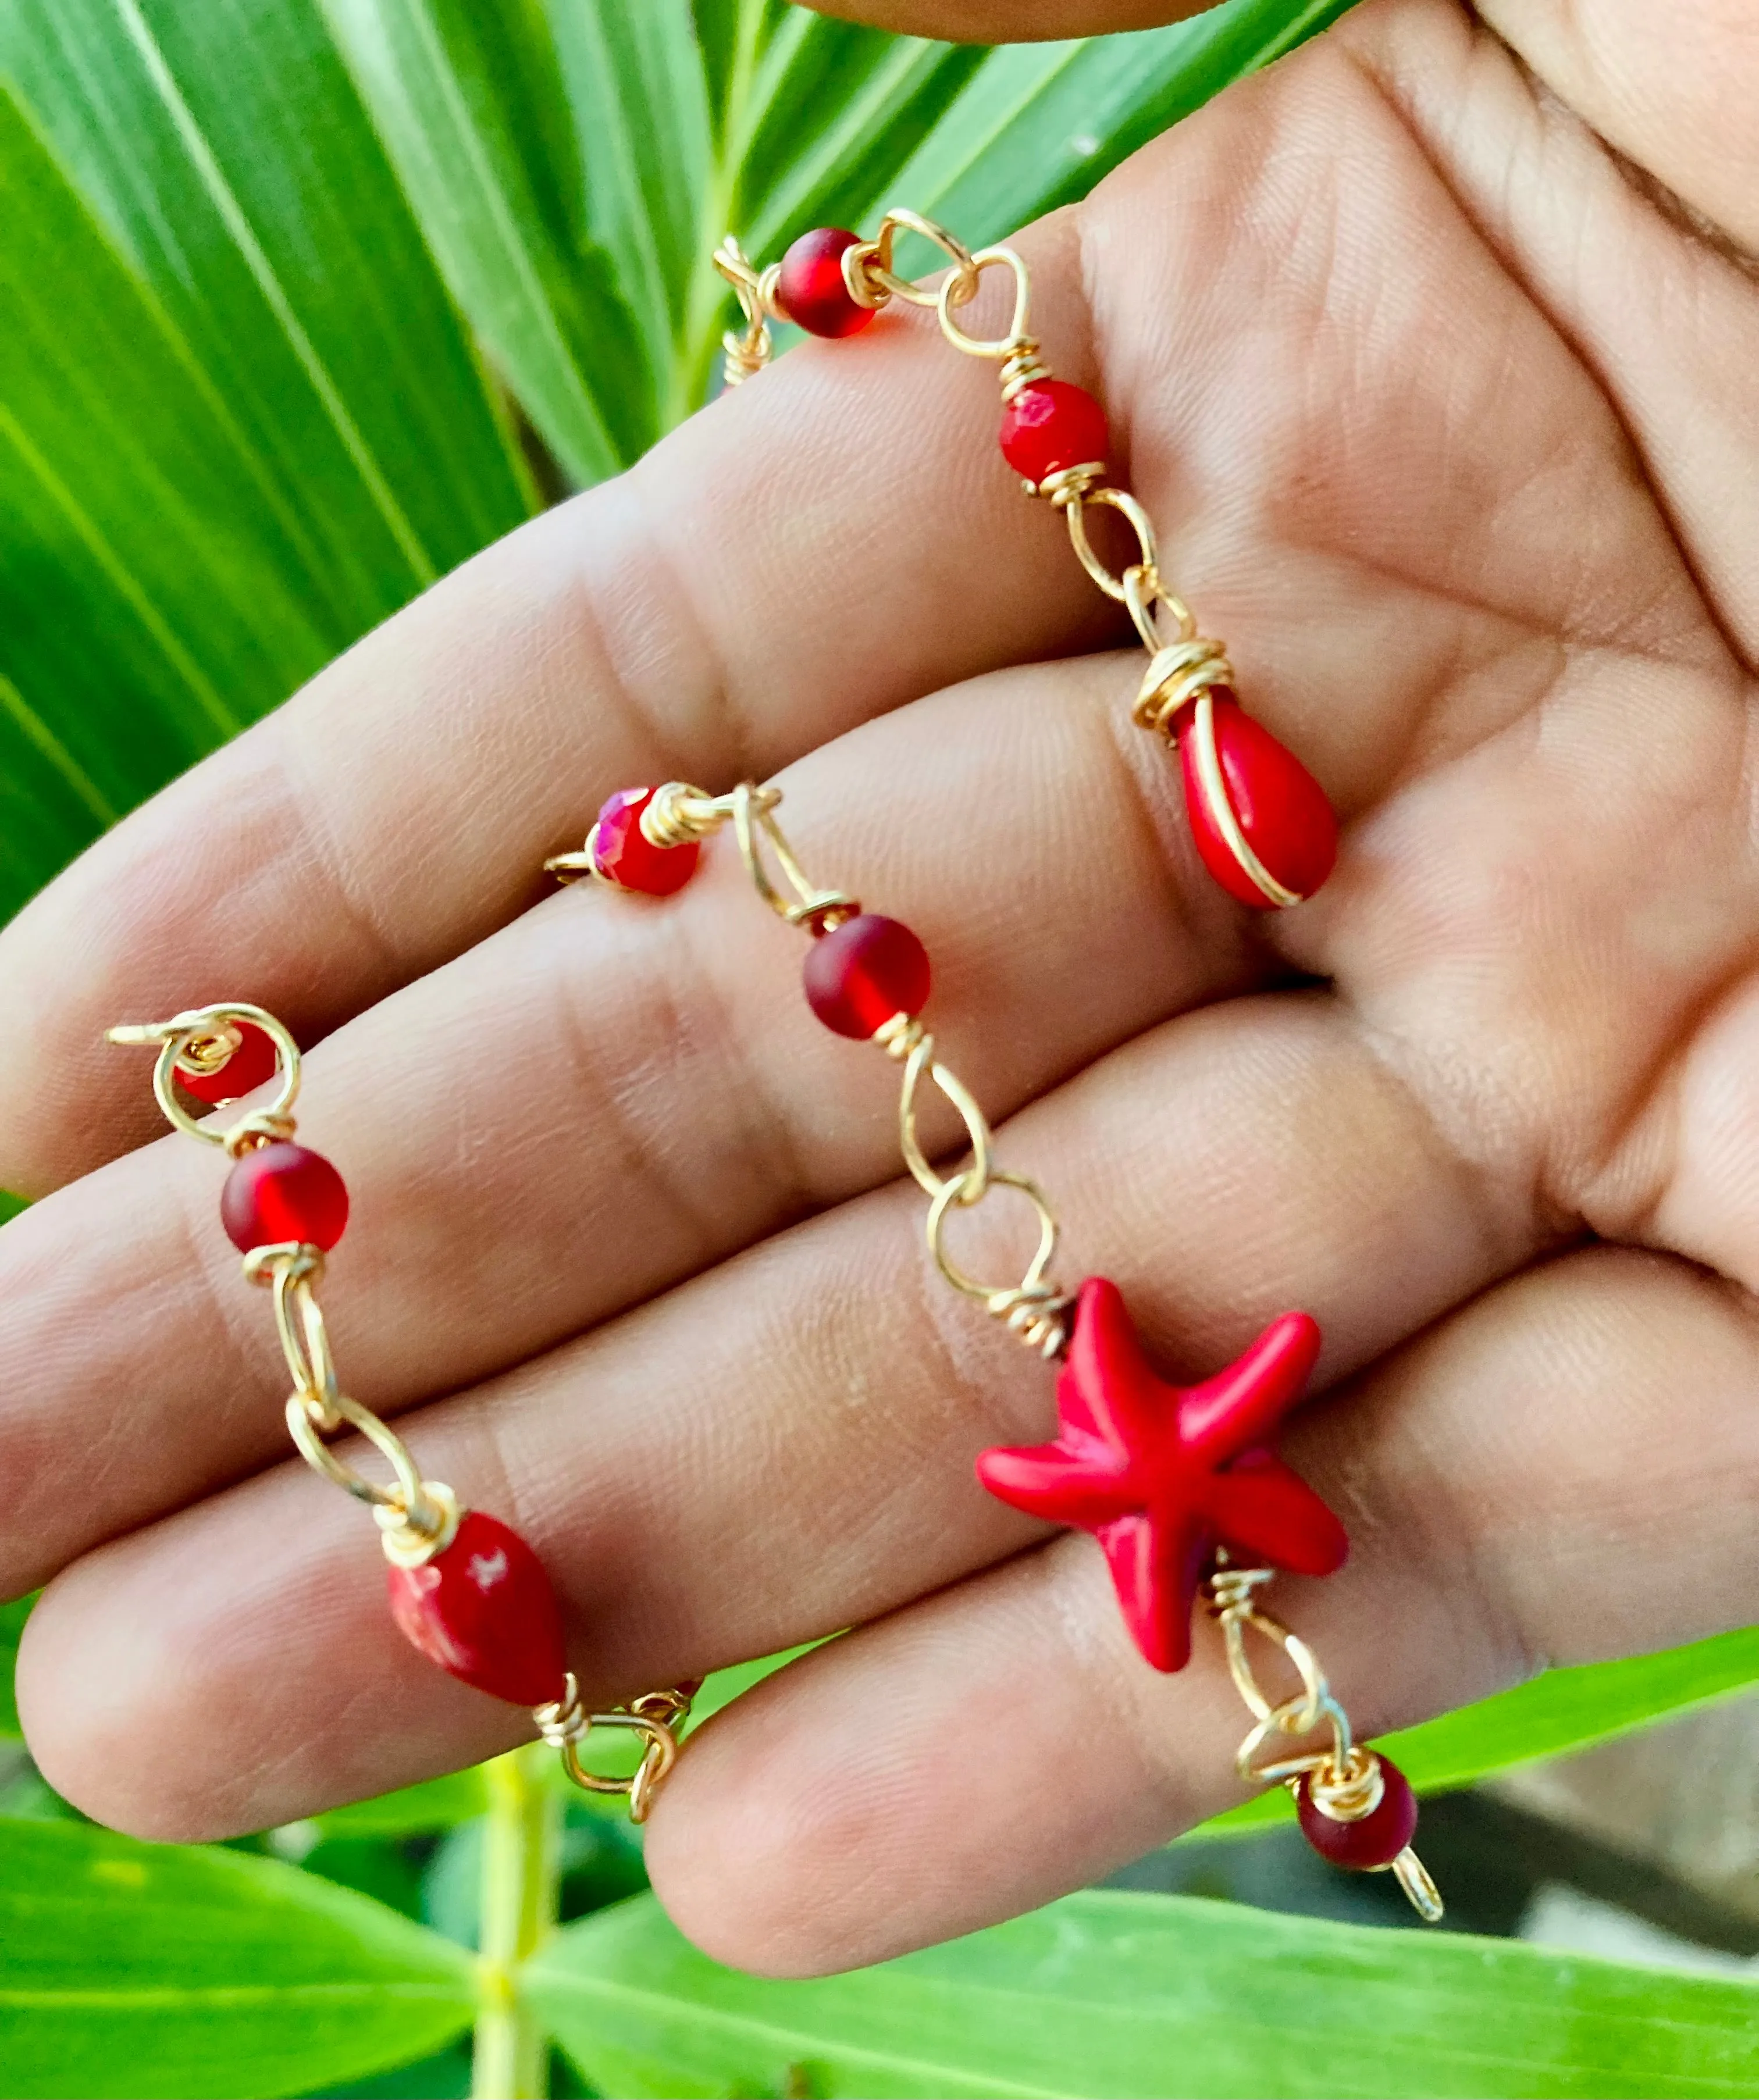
{"points": [[868, 970], [483, 1609], [249, 1066], [1375, 1839], [282, 1192], [1050, 426], [625, 855], [810, 288], [1280, 808]]}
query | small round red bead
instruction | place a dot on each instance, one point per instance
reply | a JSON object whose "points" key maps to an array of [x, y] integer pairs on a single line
{"points": [[483, 1608], [1050, 426], [870, 968], [625, 854], [1374, 1840], [810, 288], [283, 1192], [249, 1066]]}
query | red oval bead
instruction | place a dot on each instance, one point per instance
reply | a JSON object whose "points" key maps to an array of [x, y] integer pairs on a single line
{"points": [[810, 288], [1280, 808], [625, 855], [282, 1192], [1051, 424], [867, 970], [249, 1066], [1375, 1839], [483, 1609]]}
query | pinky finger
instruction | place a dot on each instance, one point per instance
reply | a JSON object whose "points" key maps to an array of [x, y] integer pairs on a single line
{"points": [[1564, 1471]]}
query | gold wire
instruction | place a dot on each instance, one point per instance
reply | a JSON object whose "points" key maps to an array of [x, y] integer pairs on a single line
{"points": [[1344, 1779], [176, 1039], [871, 281], [1016, 344], [656, 1717], [1115, 587], [1221, 808], [974, 1180], [755, 826], [746, 355]]}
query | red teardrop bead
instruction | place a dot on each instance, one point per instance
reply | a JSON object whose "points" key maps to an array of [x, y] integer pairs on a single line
{"points": [[1280, 807], [810, 288], [1375, 1839], [249, 1066], [870, 968], [625, 855], [282, 1192], [483, 1609], [1051, 424]]}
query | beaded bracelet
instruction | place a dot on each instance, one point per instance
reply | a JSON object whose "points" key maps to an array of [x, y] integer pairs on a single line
{"points": [[464, 1588], [1177, 1484]]}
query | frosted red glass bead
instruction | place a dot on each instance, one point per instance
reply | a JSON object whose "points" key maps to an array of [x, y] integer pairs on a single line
{"points": [[249, 1066], [483, 1609], [1050, 426], [1374, 1840], [810, 288], [870, 968], [282, 1192], [625, 854], [1280, 807]]}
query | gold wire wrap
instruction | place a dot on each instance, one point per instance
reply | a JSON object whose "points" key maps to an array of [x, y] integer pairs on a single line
{"points": [[745, 353], [1035, 1308], [919, 1061], [1343, 1779], [1179, 671], [1221, 808], [872, 281], [417, 1518], [201, 1040], [657, 1718]]}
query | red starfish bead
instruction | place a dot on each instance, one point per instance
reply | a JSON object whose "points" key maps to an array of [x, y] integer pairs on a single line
{"points": [[1162, 1474]]}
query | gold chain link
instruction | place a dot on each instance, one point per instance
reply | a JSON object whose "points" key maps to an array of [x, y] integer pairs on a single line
{"points": [[417, 1518]]}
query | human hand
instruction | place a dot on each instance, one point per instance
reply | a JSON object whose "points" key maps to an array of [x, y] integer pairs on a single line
{"points": [[1449, 426]]}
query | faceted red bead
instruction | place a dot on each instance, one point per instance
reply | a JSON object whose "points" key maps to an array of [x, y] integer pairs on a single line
{"points": [[810, 288], [1375, 1839], [1280, 808], [865, 971], [625, 855], [483, 1608], [282, 1192], [1051, 424], [249, 1066]]}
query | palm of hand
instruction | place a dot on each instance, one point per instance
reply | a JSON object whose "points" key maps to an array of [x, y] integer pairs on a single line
{"points": [[1450, 430]]}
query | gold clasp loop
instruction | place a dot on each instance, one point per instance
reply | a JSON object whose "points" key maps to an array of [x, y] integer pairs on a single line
{"points": [[201, 1041], [656, 1717], [999, 346], [1034, 1309], [973, 1181], [1136, 587], [754, 825], [870, 278], [748, 353]]}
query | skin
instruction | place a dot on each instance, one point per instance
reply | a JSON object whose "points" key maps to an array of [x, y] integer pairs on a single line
{"points": [[1439, 366]]}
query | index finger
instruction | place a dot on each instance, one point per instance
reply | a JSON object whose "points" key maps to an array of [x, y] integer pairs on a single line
{"points": [[834, 540]]}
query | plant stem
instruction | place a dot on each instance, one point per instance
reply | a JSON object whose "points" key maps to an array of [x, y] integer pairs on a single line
{"points": [[700, 335], [521, 1872]]}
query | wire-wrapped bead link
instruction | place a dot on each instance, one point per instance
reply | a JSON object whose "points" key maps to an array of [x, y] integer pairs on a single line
{"points": [[418, 1518]]}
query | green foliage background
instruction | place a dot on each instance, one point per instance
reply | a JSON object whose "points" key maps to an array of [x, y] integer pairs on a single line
{"points": [[301, 302]]}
